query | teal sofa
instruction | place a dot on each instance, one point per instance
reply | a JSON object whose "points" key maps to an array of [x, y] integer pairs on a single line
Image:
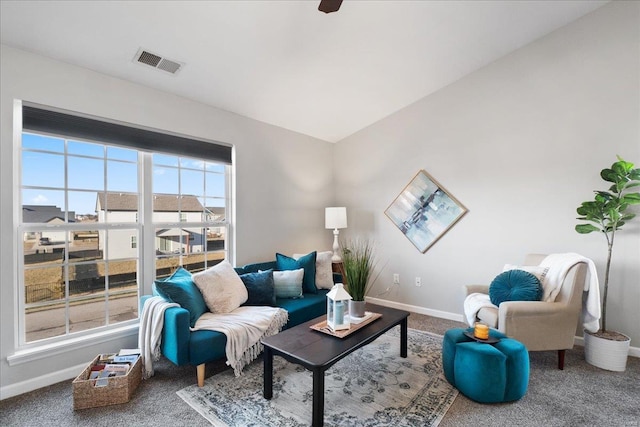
{"points": [[185, 347]]}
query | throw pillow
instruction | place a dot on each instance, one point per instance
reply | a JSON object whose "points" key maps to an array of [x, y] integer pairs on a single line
{"points": [[180, 288], [307, 262], [221, 287], [324, 270], [288, 284], [515, 285], [541, 273], [260, 288]]}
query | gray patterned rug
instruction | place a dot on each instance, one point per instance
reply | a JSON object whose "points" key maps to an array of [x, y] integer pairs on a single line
{"points": [[373, 386]]}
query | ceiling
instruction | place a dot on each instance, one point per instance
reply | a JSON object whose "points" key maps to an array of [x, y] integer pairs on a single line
{"points": [[284, 62]]}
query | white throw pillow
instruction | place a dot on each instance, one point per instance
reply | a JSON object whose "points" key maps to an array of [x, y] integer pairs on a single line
{"points": [[288, 283], [324, 270], [221, 288]]}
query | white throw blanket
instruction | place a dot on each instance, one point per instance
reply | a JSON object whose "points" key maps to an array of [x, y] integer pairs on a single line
{"points": [[559, 265], [473, 303], [150, 332], [244, 327]]}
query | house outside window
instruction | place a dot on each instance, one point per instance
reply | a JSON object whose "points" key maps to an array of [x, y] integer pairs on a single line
{"points": [[81, 222]]}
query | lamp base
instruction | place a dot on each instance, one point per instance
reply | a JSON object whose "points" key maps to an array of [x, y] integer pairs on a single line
{"points": [[336, 247]]}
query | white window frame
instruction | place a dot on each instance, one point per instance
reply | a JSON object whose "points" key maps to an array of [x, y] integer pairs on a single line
{"points": [[28, 351]]}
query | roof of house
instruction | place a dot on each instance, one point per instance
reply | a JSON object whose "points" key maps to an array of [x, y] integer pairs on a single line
{"points": [[161, 202], [44, 213]]}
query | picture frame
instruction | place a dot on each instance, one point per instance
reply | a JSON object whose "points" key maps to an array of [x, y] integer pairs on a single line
{"points": [[424, 211]]}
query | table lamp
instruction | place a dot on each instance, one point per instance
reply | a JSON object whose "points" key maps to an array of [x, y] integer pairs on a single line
{"points": [[336, 218]]}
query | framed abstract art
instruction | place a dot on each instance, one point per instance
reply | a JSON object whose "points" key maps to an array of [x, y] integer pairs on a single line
{"points": [[424, 211]]}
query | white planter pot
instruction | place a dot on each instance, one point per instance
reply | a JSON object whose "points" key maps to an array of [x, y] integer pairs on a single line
{"points": [[606, 354]]}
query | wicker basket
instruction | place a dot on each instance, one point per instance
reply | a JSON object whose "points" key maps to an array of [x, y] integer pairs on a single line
{"points": [[119, 389]]}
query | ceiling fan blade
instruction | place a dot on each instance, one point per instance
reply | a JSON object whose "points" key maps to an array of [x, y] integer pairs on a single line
{"points": [[328, 6]]}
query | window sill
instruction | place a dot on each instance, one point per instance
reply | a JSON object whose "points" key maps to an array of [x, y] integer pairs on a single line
{"points": [[47, 350]]}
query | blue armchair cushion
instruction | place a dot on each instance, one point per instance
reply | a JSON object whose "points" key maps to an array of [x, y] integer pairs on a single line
{"points": [[260, 288], [515, 285], [307, 262], [180, 288]]}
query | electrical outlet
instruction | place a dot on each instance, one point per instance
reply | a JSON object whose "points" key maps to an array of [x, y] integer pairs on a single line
{"points": [[418, 281], [396, 279]]}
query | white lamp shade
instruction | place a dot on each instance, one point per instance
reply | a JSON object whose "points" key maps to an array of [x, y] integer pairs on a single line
{"points": [[335, 217]]}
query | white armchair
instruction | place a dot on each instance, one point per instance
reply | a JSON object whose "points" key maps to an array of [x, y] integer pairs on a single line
{"points": [[540, 325]]}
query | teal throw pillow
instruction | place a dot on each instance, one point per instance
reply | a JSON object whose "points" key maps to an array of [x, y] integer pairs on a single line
{"points": [[515, 285], [307, 262], [260, 288], [180, 288]]}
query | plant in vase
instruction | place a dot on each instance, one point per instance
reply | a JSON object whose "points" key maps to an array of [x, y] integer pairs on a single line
{"points": [[606, 214], [358, 260]]}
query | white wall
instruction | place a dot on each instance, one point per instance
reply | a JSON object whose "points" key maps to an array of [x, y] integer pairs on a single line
{"points": [[283, 181], [521, 143]]}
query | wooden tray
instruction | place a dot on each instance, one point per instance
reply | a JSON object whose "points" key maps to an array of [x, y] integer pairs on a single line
{"points": [[322, 327]]}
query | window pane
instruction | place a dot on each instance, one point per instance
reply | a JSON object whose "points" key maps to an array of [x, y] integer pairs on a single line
{"points": [[82, 206], [84, 246], [163, 159], [165, 180], [85, 149], [118, 207], [43, 247], [87, 313], [44, 284], [124, 307], [117, 153], [85, 173], [192, 182], [42, 206], [119, 244], [42, 169], [44, 293], [122, 176], [214, 167], [215, 184], [40, 142], [166, 265]]}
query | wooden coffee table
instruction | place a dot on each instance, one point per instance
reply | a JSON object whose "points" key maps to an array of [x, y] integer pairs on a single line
{"points": [[317, 351]]}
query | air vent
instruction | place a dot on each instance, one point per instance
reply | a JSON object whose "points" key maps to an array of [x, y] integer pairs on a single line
{"points": [[156, 61]]}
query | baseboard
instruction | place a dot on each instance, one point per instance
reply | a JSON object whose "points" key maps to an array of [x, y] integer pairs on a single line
{"points": [[633, 351], [417, 309], [41, 381]]}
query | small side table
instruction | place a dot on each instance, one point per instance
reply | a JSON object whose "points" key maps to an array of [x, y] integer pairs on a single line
{"points": [[338, 267]]}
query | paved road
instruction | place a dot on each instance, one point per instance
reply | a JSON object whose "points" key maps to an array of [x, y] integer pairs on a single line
{"points": [[51, 322]]}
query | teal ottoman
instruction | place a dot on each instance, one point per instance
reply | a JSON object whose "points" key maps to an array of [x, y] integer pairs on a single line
{"points": [[486, 373]]}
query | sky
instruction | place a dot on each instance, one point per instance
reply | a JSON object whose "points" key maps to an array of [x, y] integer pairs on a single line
{"points": [[89, 168]]}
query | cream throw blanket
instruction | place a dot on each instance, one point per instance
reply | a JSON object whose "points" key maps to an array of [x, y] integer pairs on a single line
{"points": [[244, 327], [150, 331], [559, 265]]}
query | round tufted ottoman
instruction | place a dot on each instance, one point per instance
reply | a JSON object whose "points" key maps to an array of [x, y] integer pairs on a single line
{"points": [[486, 373]]}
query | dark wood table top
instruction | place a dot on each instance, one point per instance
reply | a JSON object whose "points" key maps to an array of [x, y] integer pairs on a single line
{"points": [[314, 349]]}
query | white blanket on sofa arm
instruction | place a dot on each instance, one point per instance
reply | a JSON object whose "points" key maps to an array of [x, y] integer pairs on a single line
{"points": [[244, 327]]}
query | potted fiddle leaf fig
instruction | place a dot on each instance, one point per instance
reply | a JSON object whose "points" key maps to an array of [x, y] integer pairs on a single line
{"points": [[606, 214], [358, 261]]}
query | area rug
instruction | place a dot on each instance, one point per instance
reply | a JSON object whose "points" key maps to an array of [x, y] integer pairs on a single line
{"points": [[373, 386]]}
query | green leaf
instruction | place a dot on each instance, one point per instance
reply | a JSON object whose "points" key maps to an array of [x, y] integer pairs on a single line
{"points": [[609, 175], [586, 228], [631, 198], [627, 217]]}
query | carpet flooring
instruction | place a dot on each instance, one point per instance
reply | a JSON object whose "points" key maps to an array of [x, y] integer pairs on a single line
{"points": [[580, 395]]}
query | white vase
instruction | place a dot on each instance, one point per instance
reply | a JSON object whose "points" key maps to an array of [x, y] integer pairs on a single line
{"points": [[605, 353]]}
